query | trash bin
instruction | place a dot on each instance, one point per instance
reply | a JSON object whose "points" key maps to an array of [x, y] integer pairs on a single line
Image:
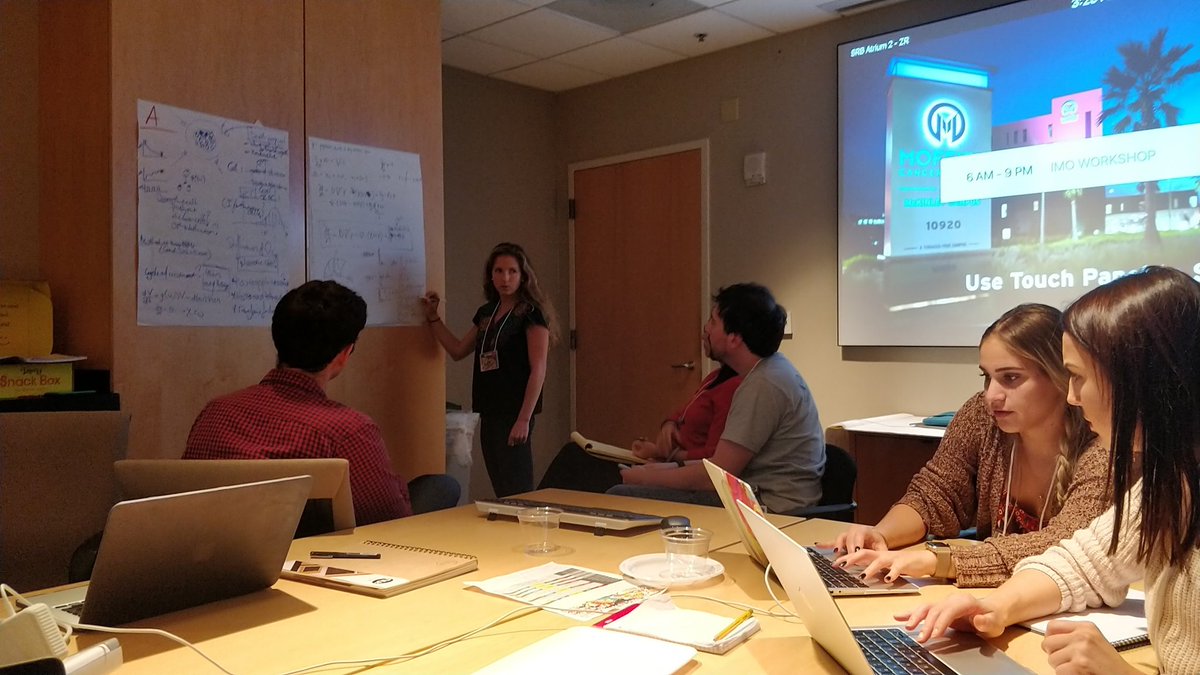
{"points": [[460, 436]]}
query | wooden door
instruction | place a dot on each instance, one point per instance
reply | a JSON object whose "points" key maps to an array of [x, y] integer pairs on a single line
{"points": [[638, 300]]}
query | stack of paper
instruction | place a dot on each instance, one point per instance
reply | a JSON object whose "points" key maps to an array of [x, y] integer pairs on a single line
{"points": [[658, 617]]}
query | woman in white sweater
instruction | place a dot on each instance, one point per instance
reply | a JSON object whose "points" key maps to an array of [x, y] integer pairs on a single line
{"points": [[1133, 350]]}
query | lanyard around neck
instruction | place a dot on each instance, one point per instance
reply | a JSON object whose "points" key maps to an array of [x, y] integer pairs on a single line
{"points": [[499, 330]]}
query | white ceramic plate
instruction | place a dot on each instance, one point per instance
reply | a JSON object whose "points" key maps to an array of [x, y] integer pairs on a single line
{"points": [[651, 569]]}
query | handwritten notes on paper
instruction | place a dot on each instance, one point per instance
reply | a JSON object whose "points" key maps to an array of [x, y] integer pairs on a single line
{"points": [[212, 219], [366, 226]]}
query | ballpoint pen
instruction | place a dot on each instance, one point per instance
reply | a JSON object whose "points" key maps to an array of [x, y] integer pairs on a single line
{"points": [[733, 625], [343, 554]]}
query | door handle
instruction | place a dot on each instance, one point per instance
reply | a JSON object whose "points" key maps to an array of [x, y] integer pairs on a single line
{"points": [[686, 365]]}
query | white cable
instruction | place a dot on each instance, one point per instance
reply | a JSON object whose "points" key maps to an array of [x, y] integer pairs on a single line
{"points": [[161, 633], [736, 605], [407, 656], [771, 592], [5, 590]]}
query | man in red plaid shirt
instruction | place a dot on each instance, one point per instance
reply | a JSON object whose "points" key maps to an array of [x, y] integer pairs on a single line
{"points": [[288, 415]]}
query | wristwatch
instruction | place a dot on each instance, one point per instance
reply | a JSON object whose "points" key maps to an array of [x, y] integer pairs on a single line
{"points": [[945, 564]]}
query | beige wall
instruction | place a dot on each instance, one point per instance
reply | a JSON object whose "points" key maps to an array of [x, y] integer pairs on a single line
{"points": [[18, 138], [781, 234], [500, 186]]}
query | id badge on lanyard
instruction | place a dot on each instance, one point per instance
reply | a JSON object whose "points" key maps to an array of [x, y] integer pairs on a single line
{"points": [[489, 359]]}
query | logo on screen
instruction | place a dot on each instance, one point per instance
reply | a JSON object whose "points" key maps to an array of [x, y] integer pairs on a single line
{"points": [[1069, 112], [945, 124]]}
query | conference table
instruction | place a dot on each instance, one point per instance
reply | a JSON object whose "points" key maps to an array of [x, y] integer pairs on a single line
{"points": [[296, 625]]}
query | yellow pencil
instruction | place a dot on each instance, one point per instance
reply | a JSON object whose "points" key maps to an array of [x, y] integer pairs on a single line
{"points": [[736, 622]]}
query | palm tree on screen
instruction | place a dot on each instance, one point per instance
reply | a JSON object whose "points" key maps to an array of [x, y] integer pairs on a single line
{"points": [[1136, 97]]}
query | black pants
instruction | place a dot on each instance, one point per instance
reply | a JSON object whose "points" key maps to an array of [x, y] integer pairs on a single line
{"points": [[509, 467], [574, 469]]}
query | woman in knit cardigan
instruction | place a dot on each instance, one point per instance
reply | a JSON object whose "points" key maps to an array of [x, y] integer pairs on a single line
{"points": [[1017, 463], [1133, 349]]}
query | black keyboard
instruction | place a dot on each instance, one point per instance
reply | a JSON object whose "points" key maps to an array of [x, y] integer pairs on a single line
{"points": [[891, 651], [600, 519], [834, 577], [75, 608]]}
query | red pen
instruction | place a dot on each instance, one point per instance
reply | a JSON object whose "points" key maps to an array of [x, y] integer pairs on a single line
{"points": [[613, 617]]}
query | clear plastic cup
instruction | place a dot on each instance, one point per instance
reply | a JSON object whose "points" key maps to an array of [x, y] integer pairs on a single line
{"points": [[687, 551], [539, 525]]}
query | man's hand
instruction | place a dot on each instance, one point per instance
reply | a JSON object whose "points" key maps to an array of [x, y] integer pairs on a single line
{"points": [[646, 450], [668, 438], [635, 475], [1078, 648]]}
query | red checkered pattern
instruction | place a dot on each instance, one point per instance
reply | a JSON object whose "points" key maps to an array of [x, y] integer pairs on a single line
{"points": [[288, 415]]}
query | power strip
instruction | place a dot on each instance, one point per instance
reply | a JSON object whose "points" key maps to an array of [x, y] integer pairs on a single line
{"points": [[31, 634]]}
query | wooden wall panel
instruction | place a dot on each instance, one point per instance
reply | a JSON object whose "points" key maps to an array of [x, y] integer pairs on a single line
{"points": [[18, 137], [362, 72], [241, 59], [74, 177], [373, 77]]}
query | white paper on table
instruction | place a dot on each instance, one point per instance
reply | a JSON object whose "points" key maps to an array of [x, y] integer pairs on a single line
{"points": [[574, 592], [899, 424]]}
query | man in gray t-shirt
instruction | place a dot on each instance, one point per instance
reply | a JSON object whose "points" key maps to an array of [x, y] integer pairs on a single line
{"points": [[773, 437]]}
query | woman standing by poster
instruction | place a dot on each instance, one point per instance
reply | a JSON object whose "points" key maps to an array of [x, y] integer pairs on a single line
{"points": [[510, 337]]}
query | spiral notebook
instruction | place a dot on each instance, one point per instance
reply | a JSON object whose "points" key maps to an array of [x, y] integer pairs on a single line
{"points": [[398, 569], [1125, 627], [605, 451]]}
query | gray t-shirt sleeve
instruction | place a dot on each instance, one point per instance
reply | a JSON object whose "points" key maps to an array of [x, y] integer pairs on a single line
{"points": [[754, 415]]}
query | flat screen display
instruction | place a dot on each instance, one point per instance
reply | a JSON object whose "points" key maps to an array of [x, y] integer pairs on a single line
{"points": [[1024, 153]]}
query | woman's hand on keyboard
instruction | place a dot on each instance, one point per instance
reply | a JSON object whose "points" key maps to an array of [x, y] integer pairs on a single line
{"points": [[890, 564], [855, 538], [960, 611]]}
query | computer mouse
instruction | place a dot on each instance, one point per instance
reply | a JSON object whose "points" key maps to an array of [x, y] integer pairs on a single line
{"points": [[675, 521]]}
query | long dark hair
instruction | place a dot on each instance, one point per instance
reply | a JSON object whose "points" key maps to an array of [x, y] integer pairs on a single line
{"points": [[1034, 332], [529, 292], [1142, 332]]}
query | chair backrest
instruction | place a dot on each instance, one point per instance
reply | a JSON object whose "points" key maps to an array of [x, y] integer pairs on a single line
{"points": [[837, 485], [433, 492], [330, 504]]}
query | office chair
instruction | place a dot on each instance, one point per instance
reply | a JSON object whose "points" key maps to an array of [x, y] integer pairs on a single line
{"points": [[433, 492], [837, 488]]}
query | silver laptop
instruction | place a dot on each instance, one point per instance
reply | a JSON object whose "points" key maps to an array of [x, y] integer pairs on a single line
{"points": [[162, 554], [330, 505], [871, 650], [838, 581]]}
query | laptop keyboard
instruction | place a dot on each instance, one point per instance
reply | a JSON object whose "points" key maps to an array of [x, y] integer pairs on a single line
{"points": [[834, 577], [578, 510], [75, 608], [891, 651]]}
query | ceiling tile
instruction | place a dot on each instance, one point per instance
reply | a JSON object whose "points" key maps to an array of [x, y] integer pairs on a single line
{"points": [[550, 76], [720, 30], [627, 15], [618, 56], [777, 16], [480, 57], [461, 16], [543, 33]]}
